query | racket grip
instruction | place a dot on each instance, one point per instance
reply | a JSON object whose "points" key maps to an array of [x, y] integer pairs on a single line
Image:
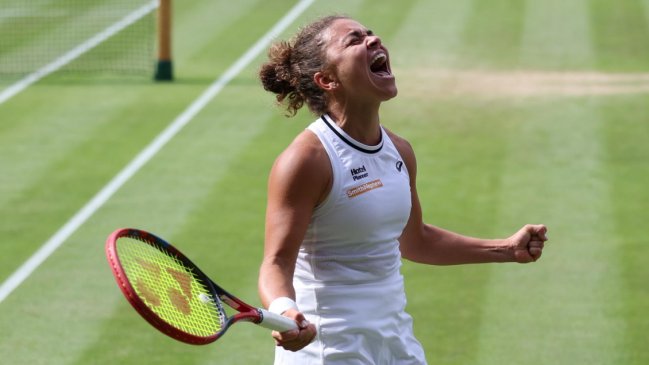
{"points": [[276, 322]]}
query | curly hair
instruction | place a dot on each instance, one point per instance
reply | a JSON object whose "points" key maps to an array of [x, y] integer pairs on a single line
{"points": [[289, 71]]}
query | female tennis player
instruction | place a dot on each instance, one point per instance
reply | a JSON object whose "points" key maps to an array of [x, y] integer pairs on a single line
{"points": [[343, 207]]}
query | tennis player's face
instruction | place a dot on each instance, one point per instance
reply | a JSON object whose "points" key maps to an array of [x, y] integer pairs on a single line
{"points": [[360, 61]]}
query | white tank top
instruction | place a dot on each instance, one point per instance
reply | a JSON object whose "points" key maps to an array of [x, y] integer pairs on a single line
{"points": [[353, 234]]}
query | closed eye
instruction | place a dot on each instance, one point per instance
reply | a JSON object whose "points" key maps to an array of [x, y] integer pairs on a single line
{"points": [[353, 38], [356, 36]]}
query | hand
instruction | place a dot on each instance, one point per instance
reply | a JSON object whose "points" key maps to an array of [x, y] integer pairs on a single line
{"points": [[294, 340], [528, 243]]}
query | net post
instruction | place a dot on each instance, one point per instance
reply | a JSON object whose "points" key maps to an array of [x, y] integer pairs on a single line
{"points": [[164, 66]]}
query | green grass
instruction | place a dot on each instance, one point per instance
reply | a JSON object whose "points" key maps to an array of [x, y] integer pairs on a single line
{"points": [[490, 159]]}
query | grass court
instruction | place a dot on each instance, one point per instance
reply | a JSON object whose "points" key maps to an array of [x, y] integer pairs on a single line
{"points": [[519, 112]]}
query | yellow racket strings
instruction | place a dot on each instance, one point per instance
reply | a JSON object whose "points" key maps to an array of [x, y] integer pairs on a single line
{"points": [[169, 289]]}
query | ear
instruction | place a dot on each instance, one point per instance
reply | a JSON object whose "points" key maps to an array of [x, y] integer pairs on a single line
{"points": [[325, 81]]}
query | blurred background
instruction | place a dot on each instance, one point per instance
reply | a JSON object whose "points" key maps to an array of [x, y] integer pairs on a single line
{"points": [[519, 112]]}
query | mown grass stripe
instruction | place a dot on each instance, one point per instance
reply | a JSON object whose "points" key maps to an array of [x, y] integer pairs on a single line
{"points": [[620, 33], [205, 44], [645, 6], [493, 36], [385, 21], [431, 36], [556, 35], [628, 173]]}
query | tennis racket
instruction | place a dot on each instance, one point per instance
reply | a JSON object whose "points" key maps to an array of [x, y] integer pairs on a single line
{"points": [[173, 294]]}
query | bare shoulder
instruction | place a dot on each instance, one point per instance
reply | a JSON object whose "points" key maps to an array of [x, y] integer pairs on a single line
{"points": [[305, 153], [405, 149], [303, 167]]}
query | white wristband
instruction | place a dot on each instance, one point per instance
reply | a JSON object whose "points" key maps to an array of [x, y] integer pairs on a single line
{"points": [[281, 305]]}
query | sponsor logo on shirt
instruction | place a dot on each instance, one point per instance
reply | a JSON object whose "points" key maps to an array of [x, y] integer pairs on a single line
{"points": [[362, 189], [359, 173]]}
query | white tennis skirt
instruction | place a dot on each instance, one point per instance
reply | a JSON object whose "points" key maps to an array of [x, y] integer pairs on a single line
{"points": [[357, 324]]}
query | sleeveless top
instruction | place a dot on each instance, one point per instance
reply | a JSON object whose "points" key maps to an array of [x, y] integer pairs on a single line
{"points": [[347, 279], [353, 234]]}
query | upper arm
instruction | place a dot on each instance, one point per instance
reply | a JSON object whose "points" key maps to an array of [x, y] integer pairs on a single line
{"points": [[299, 180]]}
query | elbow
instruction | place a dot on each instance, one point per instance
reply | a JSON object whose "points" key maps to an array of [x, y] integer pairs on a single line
{"points": [[414, 253]]}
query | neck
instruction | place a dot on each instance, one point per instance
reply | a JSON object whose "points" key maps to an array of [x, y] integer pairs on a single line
{"points": [[359, 122]]}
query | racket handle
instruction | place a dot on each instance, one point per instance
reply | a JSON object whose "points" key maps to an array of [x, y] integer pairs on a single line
{"points": [[276, 322]]}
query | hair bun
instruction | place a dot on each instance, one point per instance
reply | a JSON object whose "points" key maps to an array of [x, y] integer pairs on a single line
{"points": [[290, 69], [275, 74]]}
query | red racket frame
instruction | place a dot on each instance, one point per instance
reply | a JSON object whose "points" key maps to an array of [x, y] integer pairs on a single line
{"points": [[245, 313]]}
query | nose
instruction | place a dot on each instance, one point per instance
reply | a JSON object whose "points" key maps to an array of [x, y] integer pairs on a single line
{"points": [[373, 41]]}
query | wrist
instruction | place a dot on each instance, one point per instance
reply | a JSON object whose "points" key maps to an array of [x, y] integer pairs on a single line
{"points": [[282, 304], [504, 249]]}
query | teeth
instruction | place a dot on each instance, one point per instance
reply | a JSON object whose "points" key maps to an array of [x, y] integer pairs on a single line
{"points": [[379, 56]]}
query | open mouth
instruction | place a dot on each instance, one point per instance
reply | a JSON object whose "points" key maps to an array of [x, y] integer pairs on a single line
{"points": [[379, 65]]}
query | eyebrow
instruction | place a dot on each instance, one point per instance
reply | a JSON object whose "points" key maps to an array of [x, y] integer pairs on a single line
{"points": [[356, 33]]}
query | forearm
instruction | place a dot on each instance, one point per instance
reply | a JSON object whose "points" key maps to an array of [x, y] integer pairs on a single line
{"points": [[275, 280], [437, 246]]}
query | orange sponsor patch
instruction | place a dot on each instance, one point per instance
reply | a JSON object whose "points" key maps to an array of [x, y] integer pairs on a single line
{"points": [[362, 189]]}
